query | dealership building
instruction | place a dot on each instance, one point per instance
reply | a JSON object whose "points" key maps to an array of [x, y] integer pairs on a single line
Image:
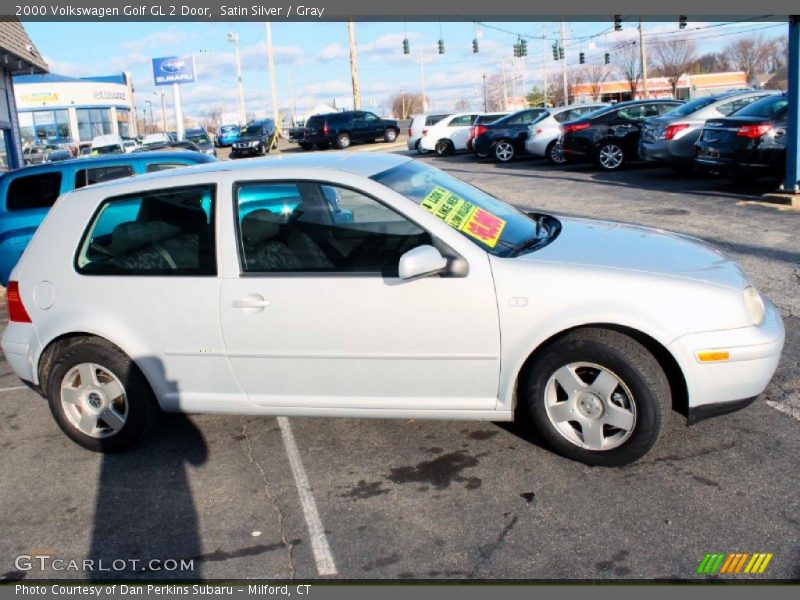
{"points": [[57, 109]]}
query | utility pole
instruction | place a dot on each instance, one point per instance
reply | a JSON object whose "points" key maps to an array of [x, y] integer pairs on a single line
{"points": [[234, 38], [513, 79], [505, 88], [273, 87], [643, 56], [176, 96], [146, 125], [544, 68], [291, 98], [351, 31], [163, 110], [524, 93], [564, 61], [422, 80], [484, 93]]}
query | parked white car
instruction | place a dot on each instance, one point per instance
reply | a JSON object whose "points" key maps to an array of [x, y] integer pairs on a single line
{"points": [[451, 134], [230, 288], [419, 125], [543, 134]]}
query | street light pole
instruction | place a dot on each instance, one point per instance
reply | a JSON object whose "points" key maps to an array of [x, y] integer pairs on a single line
{"points": [[234, 38]]}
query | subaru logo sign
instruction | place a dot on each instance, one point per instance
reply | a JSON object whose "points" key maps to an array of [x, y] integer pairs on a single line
{"points": [[173, 69]]}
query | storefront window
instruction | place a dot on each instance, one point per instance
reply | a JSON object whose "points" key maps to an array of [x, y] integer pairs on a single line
{"points": [[93, 122], [51, 126], [26, 128], [5, 137], [124, 122]]}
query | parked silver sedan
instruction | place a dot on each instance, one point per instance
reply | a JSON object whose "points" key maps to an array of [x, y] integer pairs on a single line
{"points": [[671, 137]]}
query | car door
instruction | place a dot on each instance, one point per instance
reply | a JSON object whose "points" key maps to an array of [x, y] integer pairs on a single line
{"points": [[629, 122], [360, 128], [517, 127], [314, 314], [373, 125], [459, 130]]}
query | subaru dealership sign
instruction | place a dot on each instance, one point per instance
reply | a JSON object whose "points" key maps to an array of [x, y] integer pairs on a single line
{"points": [[173, 69]]}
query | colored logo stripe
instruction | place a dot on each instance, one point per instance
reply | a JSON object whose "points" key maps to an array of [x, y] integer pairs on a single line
{"points": [[733, 563]]}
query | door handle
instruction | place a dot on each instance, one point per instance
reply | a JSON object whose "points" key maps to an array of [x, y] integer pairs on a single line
{"points": [[251, 303]]}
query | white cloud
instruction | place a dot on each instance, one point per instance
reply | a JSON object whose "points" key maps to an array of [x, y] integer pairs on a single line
{"points": [[70, 69], [169, 37]]}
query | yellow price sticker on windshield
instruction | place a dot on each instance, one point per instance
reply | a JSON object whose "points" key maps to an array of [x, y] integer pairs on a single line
{"points": [[464, 216]]}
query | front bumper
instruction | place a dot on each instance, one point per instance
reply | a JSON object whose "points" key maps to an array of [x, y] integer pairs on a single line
{"points": [[720, 387]]}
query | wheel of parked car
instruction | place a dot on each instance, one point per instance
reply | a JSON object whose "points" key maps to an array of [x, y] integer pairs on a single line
{"points": [[420, 149], [98, 396], [306, 145], [444, 147], [554, 154], [389, 135], [343, 141], [597, 396], [610, 156], [504, 151]]}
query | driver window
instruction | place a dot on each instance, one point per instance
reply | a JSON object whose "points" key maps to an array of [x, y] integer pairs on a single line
{"points": [[309, 227]]}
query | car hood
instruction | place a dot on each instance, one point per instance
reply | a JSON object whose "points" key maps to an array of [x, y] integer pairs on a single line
{"points": [[610, 245], [249, 138]]}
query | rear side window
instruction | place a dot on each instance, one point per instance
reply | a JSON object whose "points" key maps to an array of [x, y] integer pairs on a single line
{"points": [[731, 107], [86, 177], [33, 191], [159, 232], [433, 119], [155, 167]]}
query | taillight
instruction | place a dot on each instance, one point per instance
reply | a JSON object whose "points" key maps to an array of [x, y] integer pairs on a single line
{"points": [[754, 131], [424, 132], [480, 130], [539, 130], [572, 127], [672, 130], [409, 132], [325, 129], [16, 310]]}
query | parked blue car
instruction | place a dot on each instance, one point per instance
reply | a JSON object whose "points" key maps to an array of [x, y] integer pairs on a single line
{"points": [[27, 194], [227, 134]]}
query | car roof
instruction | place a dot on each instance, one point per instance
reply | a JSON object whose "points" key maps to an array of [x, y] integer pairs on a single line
{"points": [[105, 159], [365, 164]]}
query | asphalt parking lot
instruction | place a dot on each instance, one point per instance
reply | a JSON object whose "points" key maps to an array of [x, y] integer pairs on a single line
{"points": [[251, 497]]}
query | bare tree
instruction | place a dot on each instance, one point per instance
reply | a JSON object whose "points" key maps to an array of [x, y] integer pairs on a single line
{"points": [[711, 62], [750, 55], [596, 75], [628, 64], [462, 105], [674, 58], [405, 104]]}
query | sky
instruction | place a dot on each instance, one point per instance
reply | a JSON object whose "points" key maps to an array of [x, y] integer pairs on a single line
{"points": [[314, 57]]}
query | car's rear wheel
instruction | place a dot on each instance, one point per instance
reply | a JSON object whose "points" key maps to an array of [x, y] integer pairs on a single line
{"points": [[420, 149], [99, 397], [610, 156], [597, 396], [389, 135], [444, 147], [343, 141], [504, 151], [554, 154]]}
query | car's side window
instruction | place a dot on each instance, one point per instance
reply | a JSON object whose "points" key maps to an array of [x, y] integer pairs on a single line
{"points": [[731, 107], [159, 232], [522, 119], [313, 227], [33, 191], [461, 121], [84, 177], [566, 115]]}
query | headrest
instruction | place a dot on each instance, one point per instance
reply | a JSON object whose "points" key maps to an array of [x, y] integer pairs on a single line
{"points": [[259, 226], [132, 236]]}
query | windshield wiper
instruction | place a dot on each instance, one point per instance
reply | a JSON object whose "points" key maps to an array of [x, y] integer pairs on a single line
{"points": [[541, 234]]}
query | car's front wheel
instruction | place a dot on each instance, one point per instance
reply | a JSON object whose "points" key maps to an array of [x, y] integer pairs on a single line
{"points": [[389, 135], [504, 151], [597, 396], [99, 397], [610, 156]]}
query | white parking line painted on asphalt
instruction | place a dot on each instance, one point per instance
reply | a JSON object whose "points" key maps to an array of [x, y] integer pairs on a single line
{"points": [[319, 542], [14, 389]]}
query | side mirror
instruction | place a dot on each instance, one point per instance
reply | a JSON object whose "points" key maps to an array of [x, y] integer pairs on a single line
{"points": [[421, 262]]}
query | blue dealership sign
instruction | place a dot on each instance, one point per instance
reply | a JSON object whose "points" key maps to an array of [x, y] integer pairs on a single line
{"points": [[173, 69]]}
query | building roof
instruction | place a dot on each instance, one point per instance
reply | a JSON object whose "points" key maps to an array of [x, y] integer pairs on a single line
{"points": [[17, 52], [56, 78]]}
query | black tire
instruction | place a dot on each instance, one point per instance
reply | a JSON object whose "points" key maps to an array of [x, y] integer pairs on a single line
{"points": [[552, 152], [504, 151], [390, 135], [142, 407], [444, 147], [420, 149], [605, 165], [343, 141], [306, 145], [632, 364]]}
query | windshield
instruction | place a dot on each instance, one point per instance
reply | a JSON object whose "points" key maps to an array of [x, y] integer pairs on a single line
{"points": [[495, 226], [767, 108], [197, 137], [253, 130], [690, 107], [229, 128]]}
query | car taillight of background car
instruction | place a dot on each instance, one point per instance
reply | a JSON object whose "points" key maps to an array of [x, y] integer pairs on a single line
{"points": [[671, 132], [572, 127], [754, 131]]}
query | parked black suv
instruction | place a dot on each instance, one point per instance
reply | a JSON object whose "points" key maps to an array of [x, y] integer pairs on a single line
{"points": [[343, 128], [749, 143], [505, 138], [257, 137], [609, 137]]}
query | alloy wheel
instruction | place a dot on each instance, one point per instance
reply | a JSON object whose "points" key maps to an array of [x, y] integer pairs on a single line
{"points": [[94, 400], [611, 156], [504, 151]]}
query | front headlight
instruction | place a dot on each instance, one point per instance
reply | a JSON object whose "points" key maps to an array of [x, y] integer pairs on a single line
{"points": [[754, 305], [253, 144]]}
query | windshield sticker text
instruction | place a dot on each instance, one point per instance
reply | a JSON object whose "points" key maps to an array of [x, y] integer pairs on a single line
{"points": [[464, 216]]}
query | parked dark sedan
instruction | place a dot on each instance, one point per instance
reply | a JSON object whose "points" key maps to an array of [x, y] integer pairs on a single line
{"points": [[609, 137], [751, 143], [505, 138]]}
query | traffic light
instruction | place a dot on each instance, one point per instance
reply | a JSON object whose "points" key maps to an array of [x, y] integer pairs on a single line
{"points": [[555, 51], [561, 52], [475, 46], [441, 46], [581, 58], [607, 58], [406, 47], [523, 47], [682, 22], [617, 22]]}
